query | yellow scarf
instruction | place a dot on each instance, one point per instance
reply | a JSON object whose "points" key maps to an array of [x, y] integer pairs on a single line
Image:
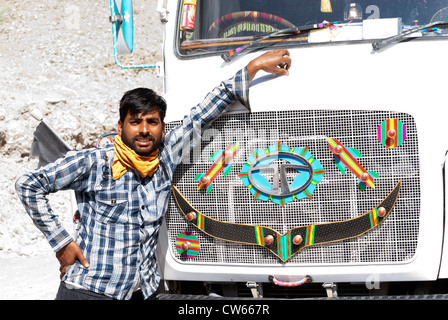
{"points": [[126, 158]]}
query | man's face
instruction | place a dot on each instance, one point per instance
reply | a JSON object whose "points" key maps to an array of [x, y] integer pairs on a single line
{"points": [[142, 132]]}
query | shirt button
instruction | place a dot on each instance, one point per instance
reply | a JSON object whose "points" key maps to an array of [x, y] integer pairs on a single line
{"points": [[143, 207]]}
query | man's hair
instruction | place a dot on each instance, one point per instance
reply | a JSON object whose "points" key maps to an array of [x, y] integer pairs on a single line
{"points": [[141, 100]]}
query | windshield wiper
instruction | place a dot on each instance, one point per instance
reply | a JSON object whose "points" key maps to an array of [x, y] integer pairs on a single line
{"points": [[380, 44], [228, 56]]}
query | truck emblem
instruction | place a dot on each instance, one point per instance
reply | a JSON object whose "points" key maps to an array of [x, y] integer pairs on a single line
{"points": [[281, 174]]}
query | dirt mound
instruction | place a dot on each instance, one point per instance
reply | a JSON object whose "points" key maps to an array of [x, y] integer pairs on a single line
{"points": [[57, 56]]}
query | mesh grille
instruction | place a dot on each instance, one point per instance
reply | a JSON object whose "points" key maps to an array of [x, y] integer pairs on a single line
{"points": [[337, 197]]}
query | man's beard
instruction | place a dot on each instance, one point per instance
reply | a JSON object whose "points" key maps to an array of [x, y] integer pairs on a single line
{"points": [[132, 143]]}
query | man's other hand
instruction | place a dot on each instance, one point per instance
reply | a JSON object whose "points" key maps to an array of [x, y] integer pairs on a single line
{"points": [[68, 255]]}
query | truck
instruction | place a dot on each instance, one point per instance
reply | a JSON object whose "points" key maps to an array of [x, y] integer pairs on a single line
{"points": [[333, 183]]}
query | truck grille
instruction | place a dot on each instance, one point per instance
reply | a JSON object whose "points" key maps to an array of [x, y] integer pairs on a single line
{"points": [[336, 197]]}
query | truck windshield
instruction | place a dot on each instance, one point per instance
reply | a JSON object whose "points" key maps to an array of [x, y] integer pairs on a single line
{"points": [[217, 26]]}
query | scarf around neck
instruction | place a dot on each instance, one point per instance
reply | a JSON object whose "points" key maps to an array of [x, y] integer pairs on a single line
{"points": [[126, 158]]}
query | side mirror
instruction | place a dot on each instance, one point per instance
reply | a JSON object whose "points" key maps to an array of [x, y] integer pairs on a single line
{"points": [[122, 25], [121, 19]]}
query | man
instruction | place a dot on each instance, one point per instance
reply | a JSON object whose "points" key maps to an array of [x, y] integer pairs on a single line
{"points": [[122, 190]]}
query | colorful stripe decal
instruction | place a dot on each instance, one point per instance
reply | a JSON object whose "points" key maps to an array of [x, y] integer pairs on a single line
{"points": [[259, 235], [220, 163], [284, 246], [310, 235], [398, 127], [346, 158], [200, 221], [373, 218], [194, 247]]}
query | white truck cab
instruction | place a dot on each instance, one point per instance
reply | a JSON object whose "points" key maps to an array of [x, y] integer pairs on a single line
{"points": [[336, 176]]}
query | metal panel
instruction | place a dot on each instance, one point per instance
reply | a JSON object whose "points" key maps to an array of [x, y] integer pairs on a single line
{"points": [[337, 197]]}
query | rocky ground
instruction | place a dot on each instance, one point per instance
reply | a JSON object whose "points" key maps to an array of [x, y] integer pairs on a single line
{"points": [[57, 56]]}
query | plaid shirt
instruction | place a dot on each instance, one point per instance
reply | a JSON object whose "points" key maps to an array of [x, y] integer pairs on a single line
{"points": [[120, 220]]}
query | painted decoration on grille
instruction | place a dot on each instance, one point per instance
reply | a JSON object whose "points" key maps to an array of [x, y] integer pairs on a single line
{"points": [[346, 157], [276, 161], [336, 198], [284, 246], [392, 133], [222, 162], [187, 244]]}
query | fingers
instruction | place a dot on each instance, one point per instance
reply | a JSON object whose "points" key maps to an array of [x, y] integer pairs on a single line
{"points": [[276, 62], [64, 267], [83, 260], [286, 63], [68, 255], [63, 270]]}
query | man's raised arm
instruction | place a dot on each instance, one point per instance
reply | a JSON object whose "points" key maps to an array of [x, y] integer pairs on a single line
{"points": [[276, 62]]}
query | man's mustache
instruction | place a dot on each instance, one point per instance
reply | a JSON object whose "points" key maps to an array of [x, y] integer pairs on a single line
{"points": [[147, 136]]}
